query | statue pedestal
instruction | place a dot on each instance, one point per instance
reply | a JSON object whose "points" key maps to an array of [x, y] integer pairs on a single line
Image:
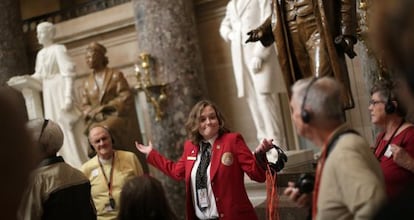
{"points": [[31, 90]]}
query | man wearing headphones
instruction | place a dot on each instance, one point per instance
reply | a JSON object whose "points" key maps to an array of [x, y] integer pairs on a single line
{"points": [[108, 171], [348, 180]]}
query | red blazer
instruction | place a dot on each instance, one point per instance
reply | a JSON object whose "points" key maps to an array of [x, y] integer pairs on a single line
{"points": [[230, 159]]}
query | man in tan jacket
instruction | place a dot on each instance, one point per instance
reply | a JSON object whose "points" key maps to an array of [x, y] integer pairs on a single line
{"points": [[349, 183]]}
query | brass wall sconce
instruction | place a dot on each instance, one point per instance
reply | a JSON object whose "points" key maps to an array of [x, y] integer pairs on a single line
{"points": [[154, 91]]}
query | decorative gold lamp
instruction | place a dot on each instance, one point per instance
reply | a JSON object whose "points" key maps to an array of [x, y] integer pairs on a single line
{"points": [[154, 91]]}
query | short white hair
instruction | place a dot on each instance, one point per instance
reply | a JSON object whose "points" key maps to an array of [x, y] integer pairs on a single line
{"points": [[323, 97]]}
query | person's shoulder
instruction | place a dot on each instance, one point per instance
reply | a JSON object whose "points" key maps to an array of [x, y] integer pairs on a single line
{"points": [[39, 174], [58, 173], [410, 128], [188, 143], [123, 153], [352, 139], [89, 165], [76, 175], [351, 145]]}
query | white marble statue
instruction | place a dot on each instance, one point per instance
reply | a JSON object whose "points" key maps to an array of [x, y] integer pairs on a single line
{"points": [[55, 70], [256, 69]]}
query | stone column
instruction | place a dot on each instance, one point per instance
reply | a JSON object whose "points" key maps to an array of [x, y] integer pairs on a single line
{"points": [[167, 31], [13, 57]]}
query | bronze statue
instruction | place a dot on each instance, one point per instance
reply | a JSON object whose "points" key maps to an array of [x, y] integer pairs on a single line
{"points": [[311, 38], [107, 100]]}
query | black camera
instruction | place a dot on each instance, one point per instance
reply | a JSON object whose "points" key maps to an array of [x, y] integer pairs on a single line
{"points": [[305, 183]]}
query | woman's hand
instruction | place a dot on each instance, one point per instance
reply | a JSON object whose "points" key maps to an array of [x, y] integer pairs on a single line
{"points": [[144, 149], [265, 146]]}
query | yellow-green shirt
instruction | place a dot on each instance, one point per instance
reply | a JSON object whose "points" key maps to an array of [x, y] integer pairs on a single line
{"points": [[126, 165]]}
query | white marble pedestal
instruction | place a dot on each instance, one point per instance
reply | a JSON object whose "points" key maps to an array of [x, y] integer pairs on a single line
{"points": [[31, 90]]}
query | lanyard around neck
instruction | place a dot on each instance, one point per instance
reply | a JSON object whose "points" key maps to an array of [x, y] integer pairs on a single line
{"points": [[110, 181], [388, 142]]}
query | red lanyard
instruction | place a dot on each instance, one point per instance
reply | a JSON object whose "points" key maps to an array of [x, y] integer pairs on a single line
{"points": [[109, 184]]}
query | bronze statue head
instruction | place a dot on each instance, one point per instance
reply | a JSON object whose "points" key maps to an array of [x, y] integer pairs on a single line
{"points": [[95, 55]]}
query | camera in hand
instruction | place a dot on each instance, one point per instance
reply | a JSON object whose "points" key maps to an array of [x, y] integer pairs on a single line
{"points": [[305, 183]]}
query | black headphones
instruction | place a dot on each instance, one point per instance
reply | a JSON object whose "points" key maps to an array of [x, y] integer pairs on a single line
{"points": [[44, 125], [281, 160], [389, 106], [305, 115]]}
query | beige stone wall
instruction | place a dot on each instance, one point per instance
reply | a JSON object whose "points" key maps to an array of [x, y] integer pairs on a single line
{"points": [[116, 30]]}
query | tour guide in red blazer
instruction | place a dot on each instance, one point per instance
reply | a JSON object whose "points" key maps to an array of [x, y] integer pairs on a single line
{"points": [[230, 159]]}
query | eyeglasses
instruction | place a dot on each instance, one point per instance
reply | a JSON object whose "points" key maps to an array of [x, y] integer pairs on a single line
{"points": [[375, 102]]}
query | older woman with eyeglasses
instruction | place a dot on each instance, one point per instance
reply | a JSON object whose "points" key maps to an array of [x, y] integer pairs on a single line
{"points": [[394, 145]]}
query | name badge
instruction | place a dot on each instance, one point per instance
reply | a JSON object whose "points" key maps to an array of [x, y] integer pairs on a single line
{"points": [[202, 197], [95, 172], [388, 152], [191, 158]]}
